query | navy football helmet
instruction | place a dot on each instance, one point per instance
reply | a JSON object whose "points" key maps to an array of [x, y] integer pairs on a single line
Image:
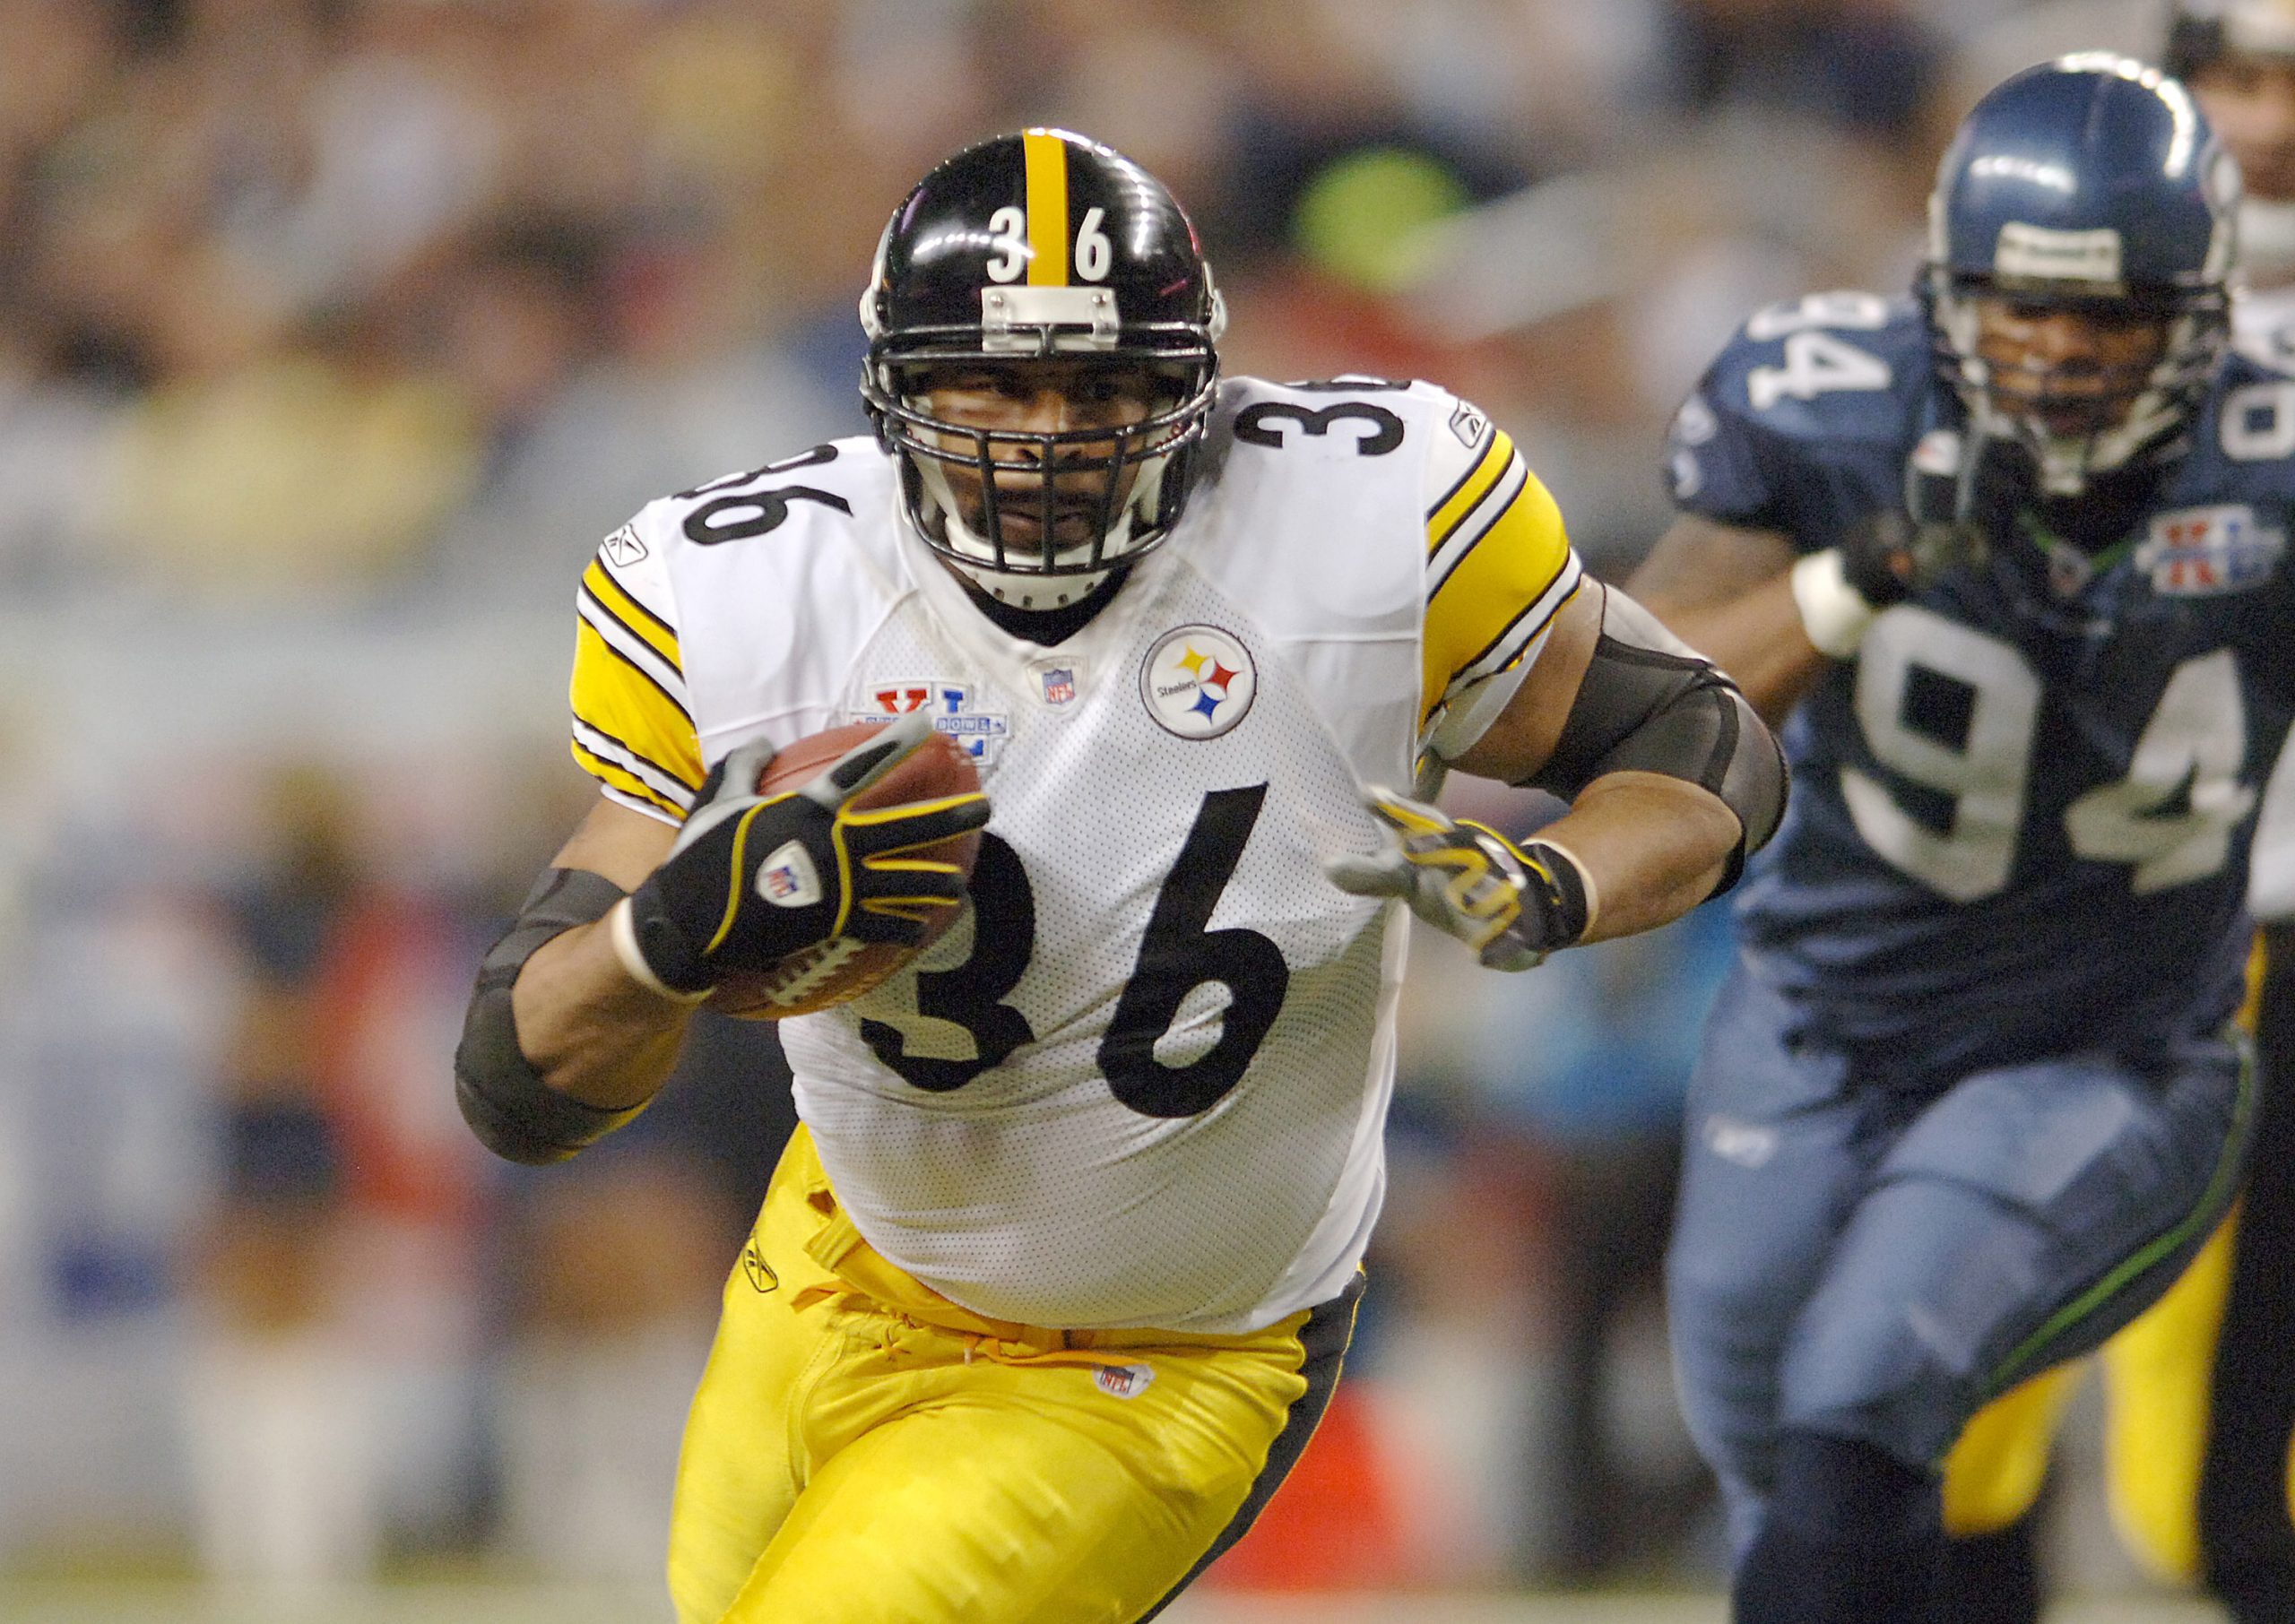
{"points": [[2093, 185], [1026, 249]]}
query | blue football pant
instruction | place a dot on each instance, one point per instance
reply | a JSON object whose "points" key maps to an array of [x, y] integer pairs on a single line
{"points": [[1867, 1265], [2200, 1390]]}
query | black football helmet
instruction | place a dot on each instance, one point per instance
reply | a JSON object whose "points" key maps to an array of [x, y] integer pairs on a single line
{"points": [[1029, 248]]}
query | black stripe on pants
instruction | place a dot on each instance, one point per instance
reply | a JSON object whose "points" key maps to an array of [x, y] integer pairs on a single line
{"points": [[1330, 1328]]}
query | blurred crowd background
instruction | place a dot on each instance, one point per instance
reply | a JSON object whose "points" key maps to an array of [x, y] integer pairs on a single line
{"points": [[334, 334]]}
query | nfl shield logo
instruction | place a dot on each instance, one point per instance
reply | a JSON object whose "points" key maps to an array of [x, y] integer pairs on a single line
{"points": [[1124, 1381], [1059, 686]]}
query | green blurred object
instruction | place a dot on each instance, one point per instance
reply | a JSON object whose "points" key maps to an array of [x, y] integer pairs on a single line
{"points": [[1362, 216]]}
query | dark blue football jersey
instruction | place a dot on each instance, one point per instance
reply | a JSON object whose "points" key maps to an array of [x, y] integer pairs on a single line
{"points": [[2021, 815]]}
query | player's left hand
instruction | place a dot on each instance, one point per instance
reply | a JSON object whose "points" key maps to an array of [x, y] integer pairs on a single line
{"points": [[1888, 556], [1512, 904]]}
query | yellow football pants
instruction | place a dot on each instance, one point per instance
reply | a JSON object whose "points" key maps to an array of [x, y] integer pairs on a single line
{"points": [[2157, 1374], [864, 1451]]}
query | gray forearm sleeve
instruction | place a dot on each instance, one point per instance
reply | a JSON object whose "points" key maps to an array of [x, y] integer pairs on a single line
{"points": [[1651, 704], [514, 1112]]}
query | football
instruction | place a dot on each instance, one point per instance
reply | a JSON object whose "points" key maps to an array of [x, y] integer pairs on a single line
{"points": [[843, 968]]}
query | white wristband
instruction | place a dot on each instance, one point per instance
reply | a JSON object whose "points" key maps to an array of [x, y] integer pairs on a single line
{"points": [[622, 930], [1834, 613]]}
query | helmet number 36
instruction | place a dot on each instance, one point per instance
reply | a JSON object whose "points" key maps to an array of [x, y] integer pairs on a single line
{"points": [[1007, 236], [2169, 816]]}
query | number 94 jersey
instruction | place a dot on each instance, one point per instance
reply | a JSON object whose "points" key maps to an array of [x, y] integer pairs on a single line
{"points": [[1143, 1080], [2021, 815]]}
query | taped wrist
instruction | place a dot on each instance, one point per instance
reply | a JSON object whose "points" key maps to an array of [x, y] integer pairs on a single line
{"points": [[1556, 889], [670, 960], [1834, 613], [512, 1111]]}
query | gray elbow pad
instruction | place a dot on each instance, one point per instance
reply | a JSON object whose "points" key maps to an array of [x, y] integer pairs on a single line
{"points": [[514, 1112], [1651, 703]]}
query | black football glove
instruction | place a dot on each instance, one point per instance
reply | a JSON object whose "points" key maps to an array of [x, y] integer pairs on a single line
{"points": [[753, 878], [1512, 904], [1887, 557]]}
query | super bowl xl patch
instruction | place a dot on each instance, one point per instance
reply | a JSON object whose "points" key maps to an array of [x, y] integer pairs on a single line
{"points": [[1197, 682], [954, 708], [2202, 552]]}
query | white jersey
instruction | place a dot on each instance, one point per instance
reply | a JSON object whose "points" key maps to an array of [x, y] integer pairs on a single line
{"points": [[2265, 322], [1144, 1081]]}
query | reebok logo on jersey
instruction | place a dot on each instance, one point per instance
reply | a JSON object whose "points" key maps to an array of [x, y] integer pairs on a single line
{"points": [[2202, 552], [1470, 425], [1746, 1144], [1123, 1381], [623, 549], [788, 879], [761, 1273], [1197, 682]]}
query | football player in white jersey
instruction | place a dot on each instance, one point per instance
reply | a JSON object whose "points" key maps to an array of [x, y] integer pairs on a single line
{"points": [[1053, 1282]]}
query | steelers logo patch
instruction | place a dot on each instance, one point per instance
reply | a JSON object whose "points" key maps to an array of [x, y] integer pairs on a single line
{"points": [[1197, 682]]}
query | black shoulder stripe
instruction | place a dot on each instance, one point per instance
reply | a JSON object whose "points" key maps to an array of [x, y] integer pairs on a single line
{"points": [[1508, 630], [1496, 503]]}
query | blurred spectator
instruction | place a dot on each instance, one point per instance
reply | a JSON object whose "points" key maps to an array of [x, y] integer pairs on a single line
{"points": [[329, 1400], [1868, 66], [320, 468], [281, 1427]]}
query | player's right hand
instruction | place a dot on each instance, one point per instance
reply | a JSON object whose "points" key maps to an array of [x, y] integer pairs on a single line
{"points": [[753, 878]]}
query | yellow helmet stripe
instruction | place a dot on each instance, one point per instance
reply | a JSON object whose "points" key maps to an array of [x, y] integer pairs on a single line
{"points": [[1047, 165]]}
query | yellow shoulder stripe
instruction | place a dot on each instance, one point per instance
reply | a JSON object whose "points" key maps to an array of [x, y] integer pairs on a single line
{"points": [[1495, 595], [641, 621], [611, 695], [1470, 490]]}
